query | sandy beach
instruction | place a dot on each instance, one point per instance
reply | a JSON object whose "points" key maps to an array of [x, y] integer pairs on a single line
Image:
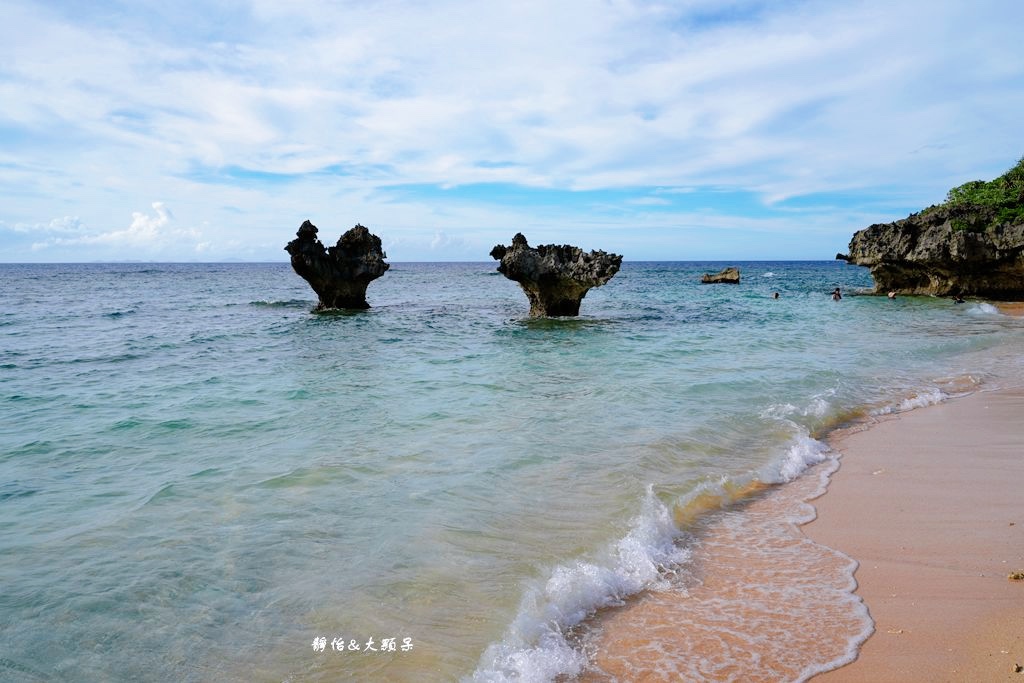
{"points": [[1014, 308], [930, 503]]}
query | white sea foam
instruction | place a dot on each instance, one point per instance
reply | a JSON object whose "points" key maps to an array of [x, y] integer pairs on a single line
{"points": [[802, 452], [796, 615], [818, 407], [535, 648], [925, 398], [983, 309], [779, 410], [768, 274]]}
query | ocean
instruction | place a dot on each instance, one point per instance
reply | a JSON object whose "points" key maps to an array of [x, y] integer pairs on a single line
{"points": [[202, 480]]}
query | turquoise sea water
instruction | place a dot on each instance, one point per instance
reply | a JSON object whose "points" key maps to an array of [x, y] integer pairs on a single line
{"points": [[199, 478]]}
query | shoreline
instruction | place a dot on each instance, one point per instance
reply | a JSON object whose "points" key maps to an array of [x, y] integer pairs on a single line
{"points": [[928, 502], [891, 561], [1014, 309]]}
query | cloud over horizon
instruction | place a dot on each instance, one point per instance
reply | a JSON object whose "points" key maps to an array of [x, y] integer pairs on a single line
{"points": [[147, 236]]}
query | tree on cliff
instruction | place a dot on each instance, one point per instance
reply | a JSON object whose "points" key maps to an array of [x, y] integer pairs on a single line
{"points": [[1003, 195]]}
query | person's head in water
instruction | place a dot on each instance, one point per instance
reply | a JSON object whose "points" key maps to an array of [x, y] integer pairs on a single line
{"points": [[775, 295], [837, 295]]}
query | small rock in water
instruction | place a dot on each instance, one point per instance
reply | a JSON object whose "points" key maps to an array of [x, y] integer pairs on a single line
{"points": [[729, 276]]}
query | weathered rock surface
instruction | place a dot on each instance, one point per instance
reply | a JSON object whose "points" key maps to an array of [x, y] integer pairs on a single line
{"points": [[555, 278], [728, 275], [944, 251], [339, 275], [971, 244]]}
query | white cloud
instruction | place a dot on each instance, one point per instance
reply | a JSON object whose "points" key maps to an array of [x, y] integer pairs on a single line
{"points": [[149, 235], [62, 225], [145, 231], [67, 224], [109, 109]]}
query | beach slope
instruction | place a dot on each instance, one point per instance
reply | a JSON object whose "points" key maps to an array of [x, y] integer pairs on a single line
{"points": [[931, 504]]}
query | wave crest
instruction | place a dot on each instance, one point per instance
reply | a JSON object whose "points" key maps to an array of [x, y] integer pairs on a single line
{"points": [[535, 648]]}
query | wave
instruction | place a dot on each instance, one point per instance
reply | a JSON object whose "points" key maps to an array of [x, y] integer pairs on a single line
{"points": [[12, 489], [803, 453], [164, 492], [983, 309], [819, 407], [535, 647], [919, 400], [538, 647], [283, 303]]}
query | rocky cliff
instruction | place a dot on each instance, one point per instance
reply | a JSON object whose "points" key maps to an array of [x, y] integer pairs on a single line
{"points": [[339, 275], [973, 244], [554, 277]]}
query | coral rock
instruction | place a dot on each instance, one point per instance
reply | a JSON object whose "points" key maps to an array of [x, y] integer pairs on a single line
{"points": [[554, 277], [339, 275], [727, 275], [971, 244], [943, 251]]}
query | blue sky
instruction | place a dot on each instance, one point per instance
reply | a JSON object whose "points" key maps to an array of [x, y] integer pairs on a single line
{"points": [[696, 129]]}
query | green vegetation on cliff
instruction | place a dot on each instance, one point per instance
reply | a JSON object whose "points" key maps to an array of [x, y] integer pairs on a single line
{"points": [[1001, 200], [971, 245]]}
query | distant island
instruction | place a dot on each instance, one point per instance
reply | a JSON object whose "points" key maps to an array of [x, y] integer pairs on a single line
{"points": [[971, 244]]}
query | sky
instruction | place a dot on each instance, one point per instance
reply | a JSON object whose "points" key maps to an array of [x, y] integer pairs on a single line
{"points": [[687, 130]]}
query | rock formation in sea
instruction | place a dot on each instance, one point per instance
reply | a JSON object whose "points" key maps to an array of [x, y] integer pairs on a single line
{"points": [[554, 277], [728, 275], [339, 275], [972, 244]]}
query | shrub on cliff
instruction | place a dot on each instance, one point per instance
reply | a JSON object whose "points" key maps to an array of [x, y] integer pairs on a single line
{"points": [[1004, 196]]}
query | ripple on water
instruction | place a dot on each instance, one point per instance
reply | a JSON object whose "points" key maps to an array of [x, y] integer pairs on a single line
{"points": [[194, 447]]}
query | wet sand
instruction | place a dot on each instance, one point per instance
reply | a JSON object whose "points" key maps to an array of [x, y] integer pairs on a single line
{"points": [[1014, 308], [759, 602], [931, 504]]}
